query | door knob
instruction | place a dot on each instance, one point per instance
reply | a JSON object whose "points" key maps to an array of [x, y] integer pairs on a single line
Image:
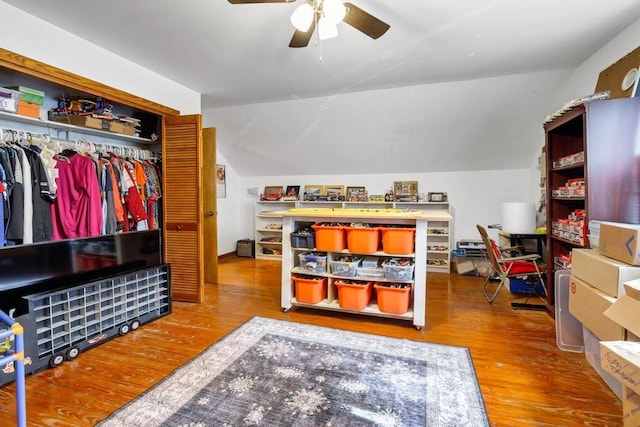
{"points": [[209, 213]]}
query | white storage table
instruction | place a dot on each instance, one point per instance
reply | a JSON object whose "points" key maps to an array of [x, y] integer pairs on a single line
{"points": [[295, 218]]}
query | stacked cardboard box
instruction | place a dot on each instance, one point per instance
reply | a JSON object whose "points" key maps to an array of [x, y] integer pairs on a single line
{"points": [[605, 297], [596, 286], [621, 359]]}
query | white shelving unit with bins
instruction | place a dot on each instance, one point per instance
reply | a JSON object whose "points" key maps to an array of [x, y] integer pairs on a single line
{"points": [[439, 231], [439, 234], [302, 218], [268, 228]]}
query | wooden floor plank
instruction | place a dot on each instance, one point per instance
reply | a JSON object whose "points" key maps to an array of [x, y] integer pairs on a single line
{"points": [[524, 378]]}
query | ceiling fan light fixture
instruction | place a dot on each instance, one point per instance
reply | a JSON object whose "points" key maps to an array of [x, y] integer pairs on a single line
{"points": [[327, 29], [334, 11], [302, 17]]}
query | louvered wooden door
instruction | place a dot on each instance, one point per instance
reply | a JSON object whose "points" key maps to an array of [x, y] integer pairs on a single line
{"points": [[182, 165]]}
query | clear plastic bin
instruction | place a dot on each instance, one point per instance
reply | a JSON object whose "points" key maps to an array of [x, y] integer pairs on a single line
{"points": [[345, 268], [313, 262], [395, 271], [377, 272], [9, 100]]}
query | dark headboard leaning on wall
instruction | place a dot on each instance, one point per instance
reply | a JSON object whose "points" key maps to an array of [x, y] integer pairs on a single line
{"points": [[47, 266]]}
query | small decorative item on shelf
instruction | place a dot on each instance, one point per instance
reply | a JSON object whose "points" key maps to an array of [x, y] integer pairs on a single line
{"points": [[376, 198], [334, 193], [405, 191], [356, 194], [437, 197], [93, 112], [292, 194], [272, 194], [312, 192]]}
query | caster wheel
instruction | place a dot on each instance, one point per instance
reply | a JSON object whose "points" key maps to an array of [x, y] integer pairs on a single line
{"points": [[123, 330], [56, 360], [135, 324], [72, 353]]}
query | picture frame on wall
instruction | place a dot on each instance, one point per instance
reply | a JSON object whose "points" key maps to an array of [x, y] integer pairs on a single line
{"points": [[334, 192], [273, 193], [292, 193], [356, 194], [312, 192], [437, 196], [221, 182], [405, 191]]}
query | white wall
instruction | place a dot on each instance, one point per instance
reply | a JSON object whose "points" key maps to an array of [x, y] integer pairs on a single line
{"points": [[54, 46], [476, 197]]}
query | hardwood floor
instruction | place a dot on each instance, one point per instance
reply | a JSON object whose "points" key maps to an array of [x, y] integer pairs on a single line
{"points": [[525, 379]]}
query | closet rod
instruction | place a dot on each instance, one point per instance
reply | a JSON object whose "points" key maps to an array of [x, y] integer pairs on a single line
{"points": [[77, 144]]}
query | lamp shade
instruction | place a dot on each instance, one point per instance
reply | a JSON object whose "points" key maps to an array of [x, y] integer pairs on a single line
{"points": [[326, 29], [333, 10], [302, 17]]}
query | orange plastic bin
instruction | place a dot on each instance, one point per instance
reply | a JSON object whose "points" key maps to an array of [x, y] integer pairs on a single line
{"points": [[354, 295], [330, 238], [363, 240], [396, 240], [310, 290], [393, 300]]}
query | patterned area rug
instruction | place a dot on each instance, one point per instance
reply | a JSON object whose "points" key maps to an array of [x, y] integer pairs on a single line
{"points": [[277, 373]]}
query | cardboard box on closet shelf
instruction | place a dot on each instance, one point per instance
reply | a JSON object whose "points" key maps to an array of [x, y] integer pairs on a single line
{"points": [[601, 272], [588, 304], [621, 242], [28, 109], [94, 123]]}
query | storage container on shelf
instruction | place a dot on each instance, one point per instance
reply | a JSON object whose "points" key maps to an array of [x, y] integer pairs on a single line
{"points": [[363, 238], [353, 294], [9, 99], [346, 266], [374, 273], [330, 237], [309, 289], [393, 297], [398, 240], [370, 262], [398, 269], [303, 239], [313, 261]]}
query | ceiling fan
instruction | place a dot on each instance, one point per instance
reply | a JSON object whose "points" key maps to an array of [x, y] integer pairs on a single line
{"points": [[325, 14]]}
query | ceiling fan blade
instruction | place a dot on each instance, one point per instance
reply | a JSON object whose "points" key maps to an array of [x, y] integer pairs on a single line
{"points": [[364, 22], [259, 1], [301, 38]]}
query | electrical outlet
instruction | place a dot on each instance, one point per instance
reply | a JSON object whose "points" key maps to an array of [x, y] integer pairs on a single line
{"points": [[252, 192]]}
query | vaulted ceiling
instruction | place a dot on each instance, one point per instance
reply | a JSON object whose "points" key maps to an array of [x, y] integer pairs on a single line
{"points": [[238, 54], [237, 57]]}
